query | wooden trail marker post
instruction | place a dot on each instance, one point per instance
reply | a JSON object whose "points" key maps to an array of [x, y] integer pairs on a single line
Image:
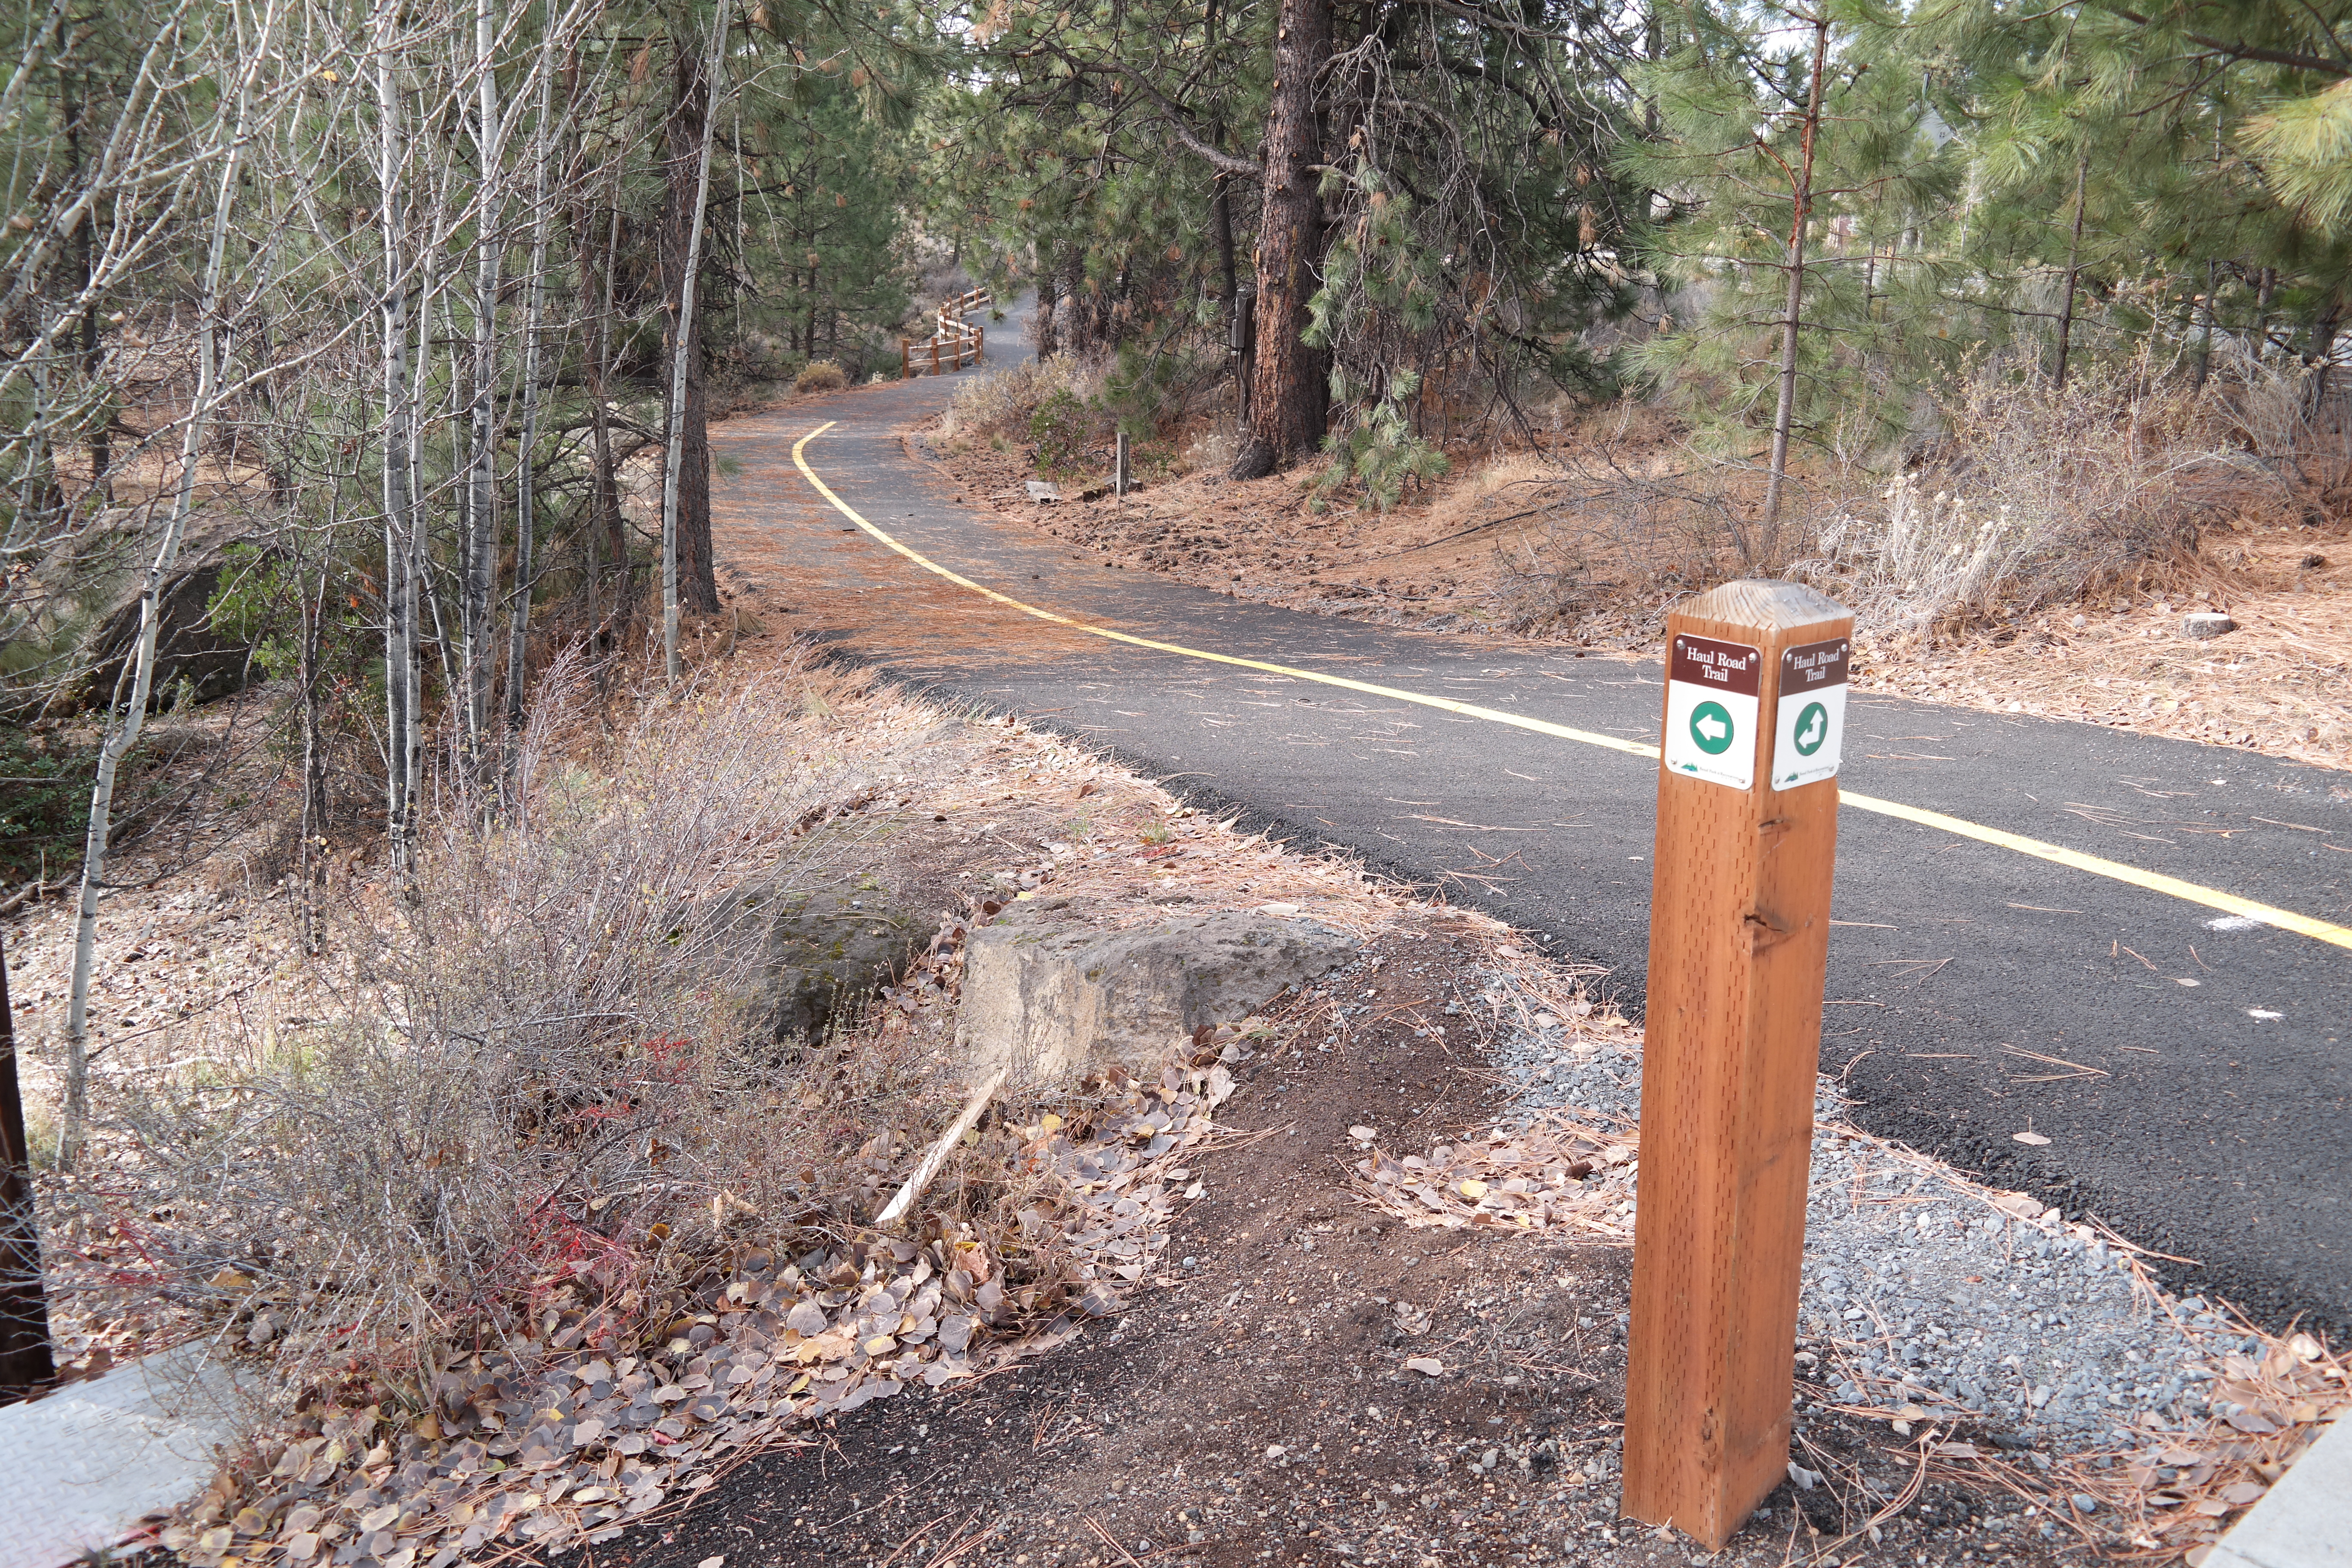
{"points": [[1740, 924]]}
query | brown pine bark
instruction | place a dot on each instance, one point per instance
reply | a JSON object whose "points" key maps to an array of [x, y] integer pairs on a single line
{"points": [[697, 579], [24, 1362], [1290, 393]]}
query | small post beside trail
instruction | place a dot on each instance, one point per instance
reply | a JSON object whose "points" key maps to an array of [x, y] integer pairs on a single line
{"points": [[1739, 921], [935, 355], [906, 368], [1118, 467]]}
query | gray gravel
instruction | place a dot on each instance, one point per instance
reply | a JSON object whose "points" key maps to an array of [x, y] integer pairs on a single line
{"points": [[1918, 1292]]}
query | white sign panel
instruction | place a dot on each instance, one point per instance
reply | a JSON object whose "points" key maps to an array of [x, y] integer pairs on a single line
{"points": [[1711, 698], [1809, 729]]}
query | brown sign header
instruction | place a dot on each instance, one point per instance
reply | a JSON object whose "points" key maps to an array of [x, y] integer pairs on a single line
{"points": [[1717, 666], [1810, 666]]}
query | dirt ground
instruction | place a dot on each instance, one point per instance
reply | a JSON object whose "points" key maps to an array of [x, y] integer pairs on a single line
{"points": [[1456, 561], [1254, 1404]]}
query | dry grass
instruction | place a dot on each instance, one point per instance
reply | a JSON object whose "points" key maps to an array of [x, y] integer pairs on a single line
{"points": [[820, 375], [2036, 496], [996, 409]]}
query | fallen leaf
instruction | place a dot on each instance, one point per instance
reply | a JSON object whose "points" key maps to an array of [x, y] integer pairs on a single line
{"points": [[1361, 1134], [1426, 1363], [2239, 1494], [2036, 1139]]}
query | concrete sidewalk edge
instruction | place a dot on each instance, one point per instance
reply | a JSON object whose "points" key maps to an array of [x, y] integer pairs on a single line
{"points": [[2303, 1521]]}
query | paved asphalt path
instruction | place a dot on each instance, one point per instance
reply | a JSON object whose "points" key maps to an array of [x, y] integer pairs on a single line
{"points": [[2203, 1130]]}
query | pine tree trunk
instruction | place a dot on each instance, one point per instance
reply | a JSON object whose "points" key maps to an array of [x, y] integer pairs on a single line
{"points": [[1290, 390], [689, 574], [2205, 327], [1784, 411], [25, 1360], [2321, 355], [1044, 327], [2074, 272]]}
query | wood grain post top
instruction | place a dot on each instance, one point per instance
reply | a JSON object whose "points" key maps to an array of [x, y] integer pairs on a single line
{"points": [[1764, 604]]}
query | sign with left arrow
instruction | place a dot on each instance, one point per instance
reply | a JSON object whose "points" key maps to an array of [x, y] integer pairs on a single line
{"points": [[1711, 700]]}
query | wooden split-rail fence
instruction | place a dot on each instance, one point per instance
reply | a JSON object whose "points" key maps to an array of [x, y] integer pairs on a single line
{"points": [[954, 345]]}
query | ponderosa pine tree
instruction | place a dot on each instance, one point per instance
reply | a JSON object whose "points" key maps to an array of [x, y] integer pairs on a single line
{"points": [[1772, 131]]}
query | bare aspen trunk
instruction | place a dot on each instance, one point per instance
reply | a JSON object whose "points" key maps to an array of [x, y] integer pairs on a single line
{"points": [[101, 453], [688, 344], [2073, 270], [314, 767], [596, 297], [481, 550], [534, 300], [1290, 392], [405, 741], [125, 720], [1784, 411]]}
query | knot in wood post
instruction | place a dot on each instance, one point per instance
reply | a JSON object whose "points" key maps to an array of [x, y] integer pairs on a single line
{"points": [[1739, 919]]}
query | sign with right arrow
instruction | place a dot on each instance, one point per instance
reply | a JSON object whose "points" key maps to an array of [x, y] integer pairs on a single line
{"points": [[1811, 725]]}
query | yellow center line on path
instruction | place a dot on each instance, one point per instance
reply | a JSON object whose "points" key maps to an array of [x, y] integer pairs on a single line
{"points": [[2073, 859]]}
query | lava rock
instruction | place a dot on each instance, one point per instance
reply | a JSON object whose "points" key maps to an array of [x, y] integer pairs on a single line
{"points": [[1046, 995], [826, 949]]}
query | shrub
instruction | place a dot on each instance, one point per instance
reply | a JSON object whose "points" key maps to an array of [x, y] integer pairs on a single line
{"points": [[1060, 426], [2036, 496], [536, 1107], [1002, 405], [820, 375]]}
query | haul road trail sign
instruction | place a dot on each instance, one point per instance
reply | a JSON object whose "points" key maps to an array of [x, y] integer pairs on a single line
{"points": [[1711, 691], [1811, 722]]}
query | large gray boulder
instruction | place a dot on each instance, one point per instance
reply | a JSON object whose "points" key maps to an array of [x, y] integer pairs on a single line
{"points": [[1049, 997], [826, 949]]}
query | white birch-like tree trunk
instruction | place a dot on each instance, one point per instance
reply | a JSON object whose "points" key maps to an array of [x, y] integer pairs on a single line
{"points": [[405, 747], [481, 535], [676, 453]]}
